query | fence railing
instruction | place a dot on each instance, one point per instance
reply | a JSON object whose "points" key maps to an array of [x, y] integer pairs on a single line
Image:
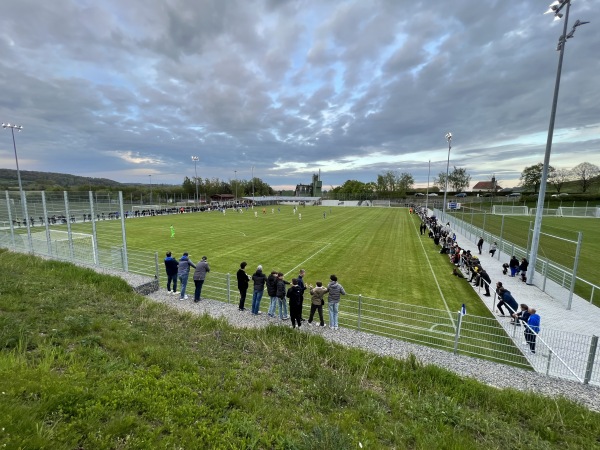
{"points": [[559, 354], [565, 355]]}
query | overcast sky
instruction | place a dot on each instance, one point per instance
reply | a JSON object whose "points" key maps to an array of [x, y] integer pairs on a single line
{"points": [[131, 88]]}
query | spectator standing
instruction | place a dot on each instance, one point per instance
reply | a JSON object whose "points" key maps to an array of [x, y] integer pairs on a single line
{"points": [[506, 299], [183, 273], [242, 279], [532, 328], [294, 293], [480, 244], [281, 291], [302, 289], [485, 281], [202, 268], [272, 292], [335, 291], [259, 280], [513, 264], [171, 265], [493, 248], [317, 302]]}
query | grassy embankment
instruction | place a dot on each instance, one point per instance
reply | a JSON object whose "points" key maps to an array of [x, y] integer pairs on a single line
{"points": [[85, 363]]}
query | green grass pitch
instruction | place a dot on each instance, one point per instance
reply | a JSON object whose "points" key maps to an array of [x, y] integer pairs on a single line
{"points": [[376, 252]]}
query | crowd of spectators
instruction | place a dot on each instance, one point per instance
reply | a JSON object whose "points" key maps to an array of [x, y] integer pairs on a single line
{"points": [[469, 267]]}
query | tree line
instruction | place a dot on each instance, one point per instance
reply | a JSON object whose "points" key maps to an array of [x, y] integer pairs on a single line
{"points": [[582, 175]]}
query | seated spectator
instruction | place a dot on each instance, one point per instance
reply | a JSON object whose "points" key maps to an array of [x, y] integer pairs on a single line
{"points": [[523, 268]]}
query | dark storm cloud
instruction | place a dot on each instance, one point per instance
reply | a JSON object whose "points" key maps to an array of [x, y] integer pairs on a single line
{"points": [[128, 89]]}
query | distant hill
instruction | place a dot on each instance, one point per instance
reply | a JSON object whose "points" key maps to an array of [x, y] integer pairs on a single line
{"points": [[49, 180]]}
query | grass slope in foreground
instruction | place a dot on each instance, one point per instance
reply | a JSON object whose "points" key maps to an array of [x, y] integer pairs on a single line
{"points": [[85, 363]]}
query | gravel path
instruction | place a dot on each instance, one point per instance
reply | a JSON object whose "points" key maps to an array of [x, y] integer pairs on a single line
{"points": [[490, 373]]}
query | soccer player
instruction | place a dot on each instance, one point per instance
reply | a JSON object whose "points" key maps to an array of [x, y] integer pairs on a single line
{"points": [[172, 231]]}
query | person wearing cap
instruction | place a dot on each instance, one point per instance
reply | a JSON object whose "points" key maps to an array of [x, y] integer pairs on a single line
{"points": [[202, 268], [183, 273]]}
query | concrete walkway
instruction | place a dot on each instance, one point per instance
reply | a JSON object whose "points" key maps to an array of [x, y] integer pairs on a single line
{"points": [[566, 332]]}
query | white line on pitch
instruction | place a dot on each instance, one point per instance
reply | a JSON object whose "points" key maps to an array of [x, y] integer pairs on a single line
{"points": [[310, 257], [433, 273]]}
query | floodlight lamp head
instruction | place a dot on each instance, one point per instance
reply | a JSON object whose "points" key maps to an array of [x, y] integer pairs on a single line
{"points": [[558, 17], [448, 136]]}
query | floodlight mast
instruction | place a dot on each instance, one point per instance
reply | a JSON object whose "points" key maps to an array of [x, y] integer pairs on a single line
{"points": [[14, 127], [196, 159], [555, 8], [449, 139]]}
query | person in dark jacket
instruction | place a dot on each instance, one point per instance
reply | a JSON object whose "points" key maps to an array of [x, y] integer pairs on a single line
{"points": [[171, 269], [302, 289], [272, 292], [242, 279], [513, 264], [281, 291], [294, 294], [202, 268], [485, 281], [183, 272], [480, 244], [259, 280], [523, 268], [521, 316], [506, 299]]}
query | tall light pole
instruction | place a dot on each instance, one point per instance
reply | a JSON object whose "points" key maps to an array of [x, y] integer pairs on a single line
{"points": [[150, 188], [449, 139], [427, 192], [555, 8], [252, 185], [235, 171], [14, 127], [196, 159]]}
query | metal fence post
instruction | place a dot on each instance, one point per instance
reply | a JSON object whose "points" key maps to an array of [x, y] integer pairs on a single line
{"points": [[359, 309], [156, 269], [501, 246], [591, 358], [228, 288], [457, 336], [94, 234], [123, 235], [574, 275], [47, 226], [69, 232], [548, 364], [10, 223], [545, 274]]}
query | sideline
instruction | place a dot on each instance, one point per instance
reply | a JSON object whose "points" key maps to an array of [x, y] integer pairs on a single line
{"points": [[433, 273]]}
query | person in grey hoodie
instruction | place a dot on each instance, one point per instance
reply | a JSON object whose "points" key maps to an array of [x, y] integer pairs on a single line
{"points": [[183, 272], [202, 269], [335, 291]]}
